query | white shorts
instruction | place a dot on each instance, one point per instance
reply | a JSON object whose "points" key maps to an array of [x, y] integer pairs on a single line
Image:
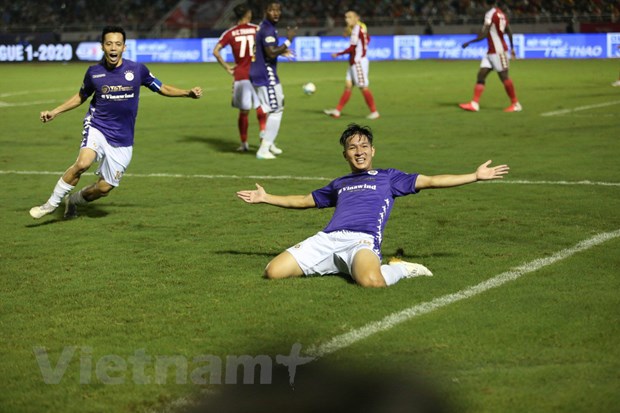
{"points": [[331, 253], [243, 96], [496, 61], [358, 73], [113, 161], [271, 98]]}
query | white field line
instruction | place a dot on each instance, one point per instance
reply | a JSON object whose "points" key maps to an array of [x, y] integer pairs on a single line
{"points": [[580, 108], [390, 321], [303, 178]]}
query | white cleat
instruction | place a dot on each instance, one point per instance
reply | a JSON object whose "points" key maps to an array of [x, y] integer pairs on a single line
{"points": [[334, 113], [264, 155], [413, 269], [40, 211], [244, 147], [616, 83], [373, 115], [275, 150]]}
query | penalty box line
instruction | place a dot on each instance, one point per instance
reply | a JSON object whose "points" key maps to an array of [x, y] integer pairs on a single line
{"points": [[347, 339], [305, 178]]}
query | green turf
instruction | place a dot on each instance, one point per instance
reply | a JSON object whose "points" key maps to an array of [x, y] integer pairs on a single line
{"points": [[172, 265]]}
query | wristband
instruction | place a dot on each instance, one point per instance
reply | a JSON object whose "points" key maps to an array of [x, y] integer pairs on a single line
{"points": [[287, 43]]}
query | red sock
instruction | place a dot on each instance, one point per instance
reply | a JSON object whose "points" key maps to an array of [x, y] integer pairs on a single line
{"points": [[262, 118], [346, 95], [478, 89], [370, 100], [242, 122], [510, 90]]}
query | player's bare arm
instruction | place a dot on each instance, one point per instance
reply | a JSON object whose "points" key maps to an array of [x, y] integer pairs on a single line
{"points": [[216, 53], [72, 103], [259, 196], [174, 92], [274, 51], [483, 35], [508, 31], [483, 173]]}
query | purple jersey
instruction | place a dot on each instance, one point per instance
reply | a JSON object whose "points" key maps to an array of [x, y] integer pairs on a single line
{"points": [[263, 71], [364, 200], [114, 106]]}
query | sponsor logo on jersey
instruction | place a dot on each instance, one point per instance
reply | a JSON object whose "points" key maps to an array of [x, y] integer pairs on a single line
{"points": [[98, 76]]}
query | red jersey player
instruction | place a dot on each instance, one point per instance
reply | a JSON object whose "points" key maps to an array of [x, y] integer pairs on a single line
{"points": [[241, 40], [358, 70], [497, 58]]}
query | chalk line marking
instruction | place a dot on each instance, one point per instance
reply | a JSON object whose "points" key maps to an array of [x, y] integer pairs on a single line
{"points": [[304, 178], [353, 336], [580, 108]]}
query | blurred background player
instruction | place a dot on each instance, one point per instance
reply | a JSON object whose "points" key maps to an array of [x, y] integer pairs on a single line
{"points": [[264, 76], [358, 70], [108, 133], [497, 57], [240, 38]]}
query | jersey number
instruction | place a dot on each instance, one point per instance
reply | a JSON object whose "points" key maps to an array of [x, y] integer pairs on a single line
{"points": [[247, 43]]}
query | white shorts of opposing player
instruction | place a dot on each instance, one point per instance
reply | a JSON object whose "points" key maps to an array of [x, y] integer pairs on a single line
{"points": [[496, 61], [358, 73], [244, 96]]}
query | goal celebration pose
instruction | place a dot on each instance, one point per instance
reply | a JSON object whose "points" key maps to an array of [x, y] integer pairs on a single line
{"points": [[351, 242], [109, 123]]}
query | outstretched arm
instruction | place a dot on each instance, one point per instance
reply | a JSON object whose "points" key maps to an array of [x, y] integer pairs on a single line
{"points": [[259, 196], [174, 92], [483, 173], [72, 103]]}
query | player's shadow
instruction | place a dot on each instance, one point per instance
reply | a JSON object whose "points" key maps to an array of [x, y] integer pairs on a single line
{"points": [[248, 253], [217, 144]]}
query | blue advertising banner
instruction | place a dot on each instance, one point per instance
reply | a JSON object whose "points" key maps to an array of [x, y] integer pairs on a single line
{"points": [[320, 49]]}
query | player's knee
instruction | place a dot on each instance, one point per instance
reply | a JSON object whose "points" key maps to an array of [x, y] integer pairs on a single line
{"points": [[80, 166], [272, 272], [371, 281]]}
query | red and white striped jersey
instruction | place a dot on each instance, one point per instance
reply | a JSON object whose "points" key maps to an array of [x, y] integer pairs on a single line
{"points": [[241, 40], [358, 45], [497, 22]]}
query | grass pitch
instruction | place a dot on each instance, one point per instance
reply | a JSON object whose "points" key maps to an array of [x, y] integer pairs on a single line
{"points": [[169, 265]]}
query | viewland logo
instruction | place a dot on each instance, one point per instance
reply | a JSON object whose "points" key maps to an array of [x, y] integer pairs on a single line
{"points": [[142, 368]]}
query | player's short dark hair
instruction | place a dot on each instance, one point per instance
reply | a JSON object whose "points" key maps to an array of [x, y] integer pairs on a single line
{"points": [[268, 3], [112, 29], [240, 10], [355, 129]]}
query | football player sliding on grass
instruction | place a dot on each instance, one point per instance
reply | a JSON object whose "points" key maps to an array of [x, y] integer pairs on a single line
{"points": [[351, 242]]}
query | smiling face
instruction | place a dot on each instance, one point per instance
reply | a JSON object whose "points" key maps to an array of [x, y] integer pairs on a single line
{"points": [[273, 12], [113, 47], [358, 152]]}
